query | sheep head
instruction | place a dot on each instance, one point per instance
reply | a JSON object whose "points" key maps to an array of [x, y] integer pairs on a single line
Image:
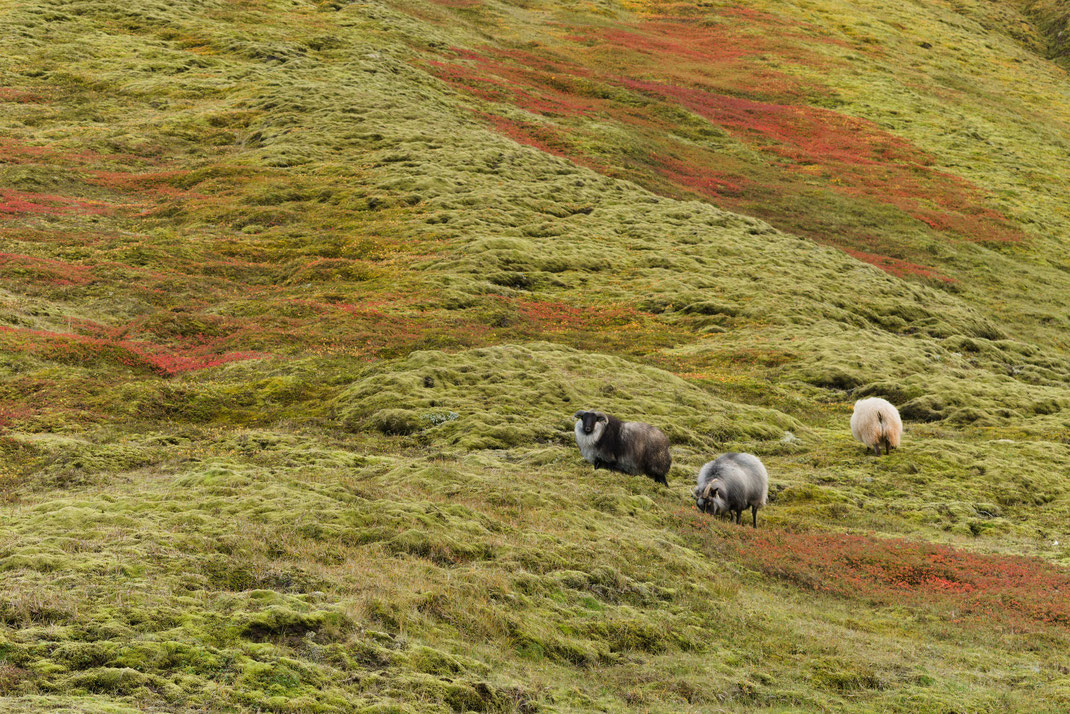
{"points": [[591, 421], [709, 499]]}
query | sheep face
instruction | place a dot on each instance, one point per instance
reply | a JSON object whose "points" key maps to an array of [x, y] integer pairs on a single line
{"points": [[590, 424], [709, 499], [700, 502]]}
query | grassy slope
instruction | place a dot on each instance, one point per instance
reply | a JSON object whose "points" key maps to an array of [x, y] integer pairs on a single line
{"points": [[297, 301]]}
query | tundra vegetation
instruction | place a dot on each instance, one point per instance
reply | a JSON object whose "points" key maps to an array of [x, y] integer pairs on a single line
{"points": [[297, 299]]}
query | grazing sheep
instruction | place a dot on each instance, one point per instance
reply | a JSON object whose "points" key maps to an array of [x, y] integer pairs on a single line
{"points": [[730, 484], [630, 447], [876, 422]]}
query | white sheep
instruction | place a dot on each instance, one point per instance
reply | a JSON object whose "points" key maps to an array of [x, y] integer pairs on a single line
{"points": [[876, 421]]}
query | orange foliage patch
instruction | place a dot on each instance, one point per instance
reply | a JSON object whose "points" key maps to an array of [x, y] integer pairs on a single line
{"points": [[898, 268], [15, 203], [1018, 593], [51, 271], [80, 349]]}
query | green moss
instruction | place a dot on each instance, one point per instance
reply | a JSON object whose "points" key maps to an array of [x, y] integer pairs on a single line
{"points": [[432, 661], [396, 421], [110, 680]]}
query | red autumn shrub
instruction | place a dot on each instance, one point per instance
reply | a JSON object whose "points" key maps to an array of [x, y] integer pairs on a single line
{"points": [[1016, 592]]}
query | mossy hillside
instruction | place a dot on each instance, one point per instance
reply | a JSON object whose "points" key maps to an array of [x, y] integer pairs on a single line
{"points": [[689, 266], [965, 380], [717, 279], [513, 269], [995, 492], [996, 112], [288, 189], [682, 256], [1002, 386], [1052, 20], [227, 647], [847, 50], [518, 400], [510, 583], [1004, 478]]}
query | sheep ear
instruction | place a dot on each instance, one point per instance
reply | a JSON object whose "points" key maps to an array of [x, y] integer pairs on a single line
{"points": [[578, 414], [708, 491]]}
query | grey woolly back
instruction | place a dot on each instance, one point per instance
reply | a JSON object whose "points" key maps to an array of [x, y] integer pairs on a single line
{"points": [[742, 477]]}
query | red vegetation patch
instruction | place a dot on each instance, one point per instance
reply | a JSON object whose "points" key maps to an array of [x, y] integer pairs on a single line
{"points": [[14, 203], [807, 135], [1020, 593], [54, 272], [9, 414], [850, 155], [553, 316], [724, 56], [156, 182], [898, 268], [536, 84], [21, 96], [699, 178], [79, 349], [15, 152], [541, 136], [614, 328], [364, 330]]}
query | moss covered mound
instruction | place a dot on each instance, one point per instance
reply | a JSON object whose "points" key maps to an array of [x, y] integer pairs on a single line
{"points": [[523, 395]]}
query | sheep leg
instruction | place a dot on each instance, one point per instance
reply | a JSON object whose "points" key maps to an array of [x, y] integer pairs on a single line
{"points": [[877, 449], [754, 514], [887, 447]]}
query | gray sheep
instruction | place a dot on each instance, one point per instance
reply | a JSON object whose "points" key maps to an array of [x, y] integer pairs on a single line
{"points": [[630, 447], [730, 484]]}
